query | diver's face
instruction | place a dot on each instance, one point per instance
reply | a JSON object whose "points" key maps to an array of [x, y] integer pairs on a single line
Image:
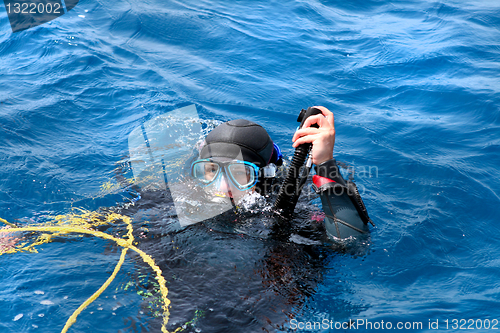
{"points": [[240, 173], [224, 187], [228, 178]]}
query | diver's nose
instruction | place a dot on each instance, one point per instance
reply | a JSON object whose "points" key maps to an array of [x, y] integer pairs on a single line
{"points": [[223, 184], [222, 187]]}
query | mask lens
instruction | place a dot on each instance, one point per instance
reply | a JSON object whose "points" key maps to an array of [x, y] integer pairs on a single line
{"points": [[205, 171], [244, 175]]}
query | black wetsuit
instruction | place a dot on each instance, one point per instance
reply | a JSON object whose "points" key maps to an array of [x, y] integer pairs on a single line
{"points": [[247, 271], [232, 272]]}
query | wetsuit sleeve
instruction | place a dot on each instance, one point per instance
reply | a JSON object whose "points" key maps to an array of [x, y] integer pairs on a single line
{"points": [[345, 211]]}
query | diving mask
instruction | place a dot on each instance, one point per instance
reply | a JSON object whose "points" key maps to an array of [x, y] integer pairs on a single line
{"points": [[242, 174]]}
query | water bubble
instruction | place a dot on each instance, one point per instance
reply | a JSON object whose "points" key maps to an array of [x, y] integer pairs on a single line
{"points": [[46, 302]]}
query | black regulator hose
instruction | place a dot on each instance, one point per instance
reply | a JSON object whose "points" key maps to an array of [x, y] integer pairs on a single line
{"points": [[292, 186]]}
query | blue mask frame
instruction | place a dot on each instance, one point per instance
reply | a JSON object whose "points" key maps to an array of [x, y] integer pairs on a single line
{"points": [[226, 168]]}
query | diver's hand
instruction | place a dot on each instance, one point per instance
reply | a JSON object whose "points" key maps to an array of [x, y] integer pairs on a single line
{"points": [[322, 138]]}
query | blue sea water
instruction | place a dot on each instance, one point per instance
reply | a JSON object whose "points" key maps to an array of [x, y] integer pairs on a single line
{"points": [[414, 87]]}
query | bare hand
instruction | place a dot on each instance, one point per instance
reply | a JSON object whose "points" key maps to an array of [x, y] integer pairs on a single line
{"points": [[322, 138]]}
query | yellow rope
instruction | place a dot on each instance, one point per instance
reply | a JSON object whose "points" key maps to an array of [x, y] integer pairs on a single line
{"points": [[98, 293], [65, 229], [126, 244], [7, 223]]}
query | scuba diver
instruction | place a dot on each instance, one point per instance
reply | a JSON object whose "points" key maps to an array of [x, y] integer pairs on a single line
{"points": [[238, 158], [237, 269]]}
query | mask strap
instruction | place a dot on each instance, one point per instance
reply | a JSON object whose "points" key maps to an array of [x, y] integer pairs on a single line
{"points": [[276, 156]]}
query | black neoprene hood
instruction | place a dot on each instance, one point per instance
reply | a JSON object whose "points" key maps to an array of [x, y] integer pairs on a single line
{"points": [[238, 139]]}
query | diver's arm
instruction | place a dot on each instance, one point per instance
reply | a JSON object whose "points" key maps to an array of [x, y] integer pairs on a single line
{"points": [[345, 211]]}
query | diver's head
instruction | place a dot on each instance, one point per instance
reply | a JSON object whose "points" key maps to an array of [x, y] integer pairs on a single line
{"points": [[235, 157]]}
